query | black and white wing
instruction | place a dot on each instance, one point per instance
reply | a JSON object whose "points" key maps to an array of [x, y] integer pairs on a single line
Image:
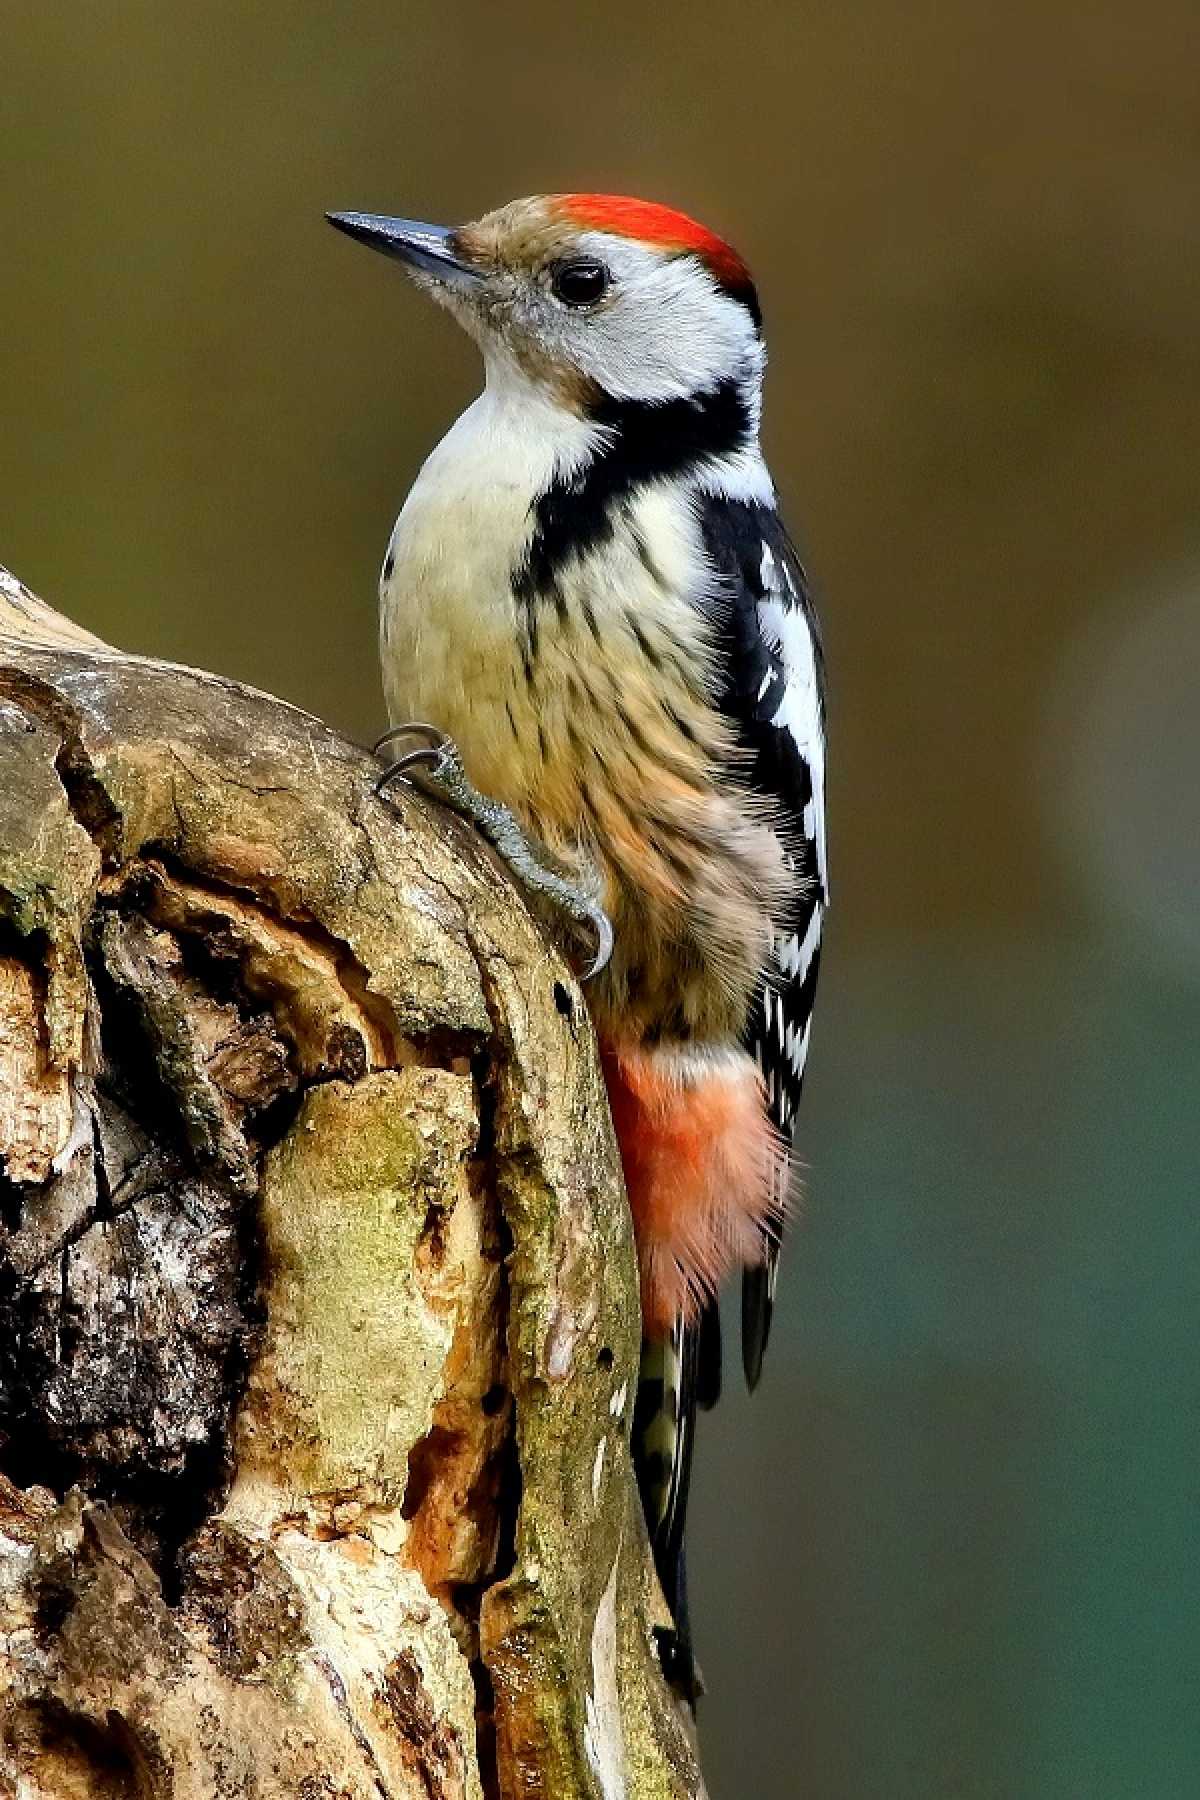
{"points": [[774, 692]]}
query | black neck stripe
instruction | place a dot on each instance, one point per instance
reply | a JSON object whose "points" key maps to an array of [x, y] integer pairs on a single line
{"points": [[643, 443], [746, 294]]}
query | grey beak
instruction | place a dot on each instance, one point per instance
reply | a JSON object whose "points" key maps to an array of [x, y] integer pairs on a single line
{"points": [[429, 248]]}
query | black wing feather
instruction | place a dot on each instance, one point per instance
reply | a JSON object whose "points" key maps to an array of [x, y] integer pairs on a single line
{"points": [[768, 613]]}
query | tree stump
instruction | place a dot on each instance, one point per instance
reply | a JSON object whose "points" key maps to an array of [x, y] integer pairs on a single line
{"points": [[318, 1307]]}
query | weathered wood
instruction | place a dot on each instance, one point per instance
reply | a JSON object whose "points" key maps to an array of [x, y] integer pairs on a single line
{"points": [[318, 1309]]}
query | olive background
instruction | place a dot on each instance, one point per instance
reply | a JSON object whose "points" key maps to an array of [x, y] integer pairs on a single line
{"points": [[948, 1551]]}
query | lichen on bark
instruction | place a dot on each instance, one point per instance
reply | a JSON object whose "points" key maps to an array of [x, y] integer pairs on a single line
{"points": [[318, 1307]]}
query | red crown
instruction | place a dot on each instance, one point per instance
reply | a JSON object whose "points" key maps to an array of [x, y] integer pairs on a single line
{"points": [[661, 225]]}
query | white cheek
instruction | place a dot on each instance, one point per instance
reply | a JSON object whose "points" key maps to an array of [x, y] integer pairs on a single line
{"points": [[669, 332]]}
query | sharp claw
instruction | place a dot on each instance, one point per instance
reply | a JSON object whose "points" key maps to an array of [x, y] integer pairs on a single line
{"points": [[411, 728], [604, 944], [432, 756]]}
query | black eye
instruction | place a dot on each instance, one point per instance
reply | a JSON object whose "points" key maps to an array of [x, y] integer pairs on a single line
{"points": [[579, 282]]}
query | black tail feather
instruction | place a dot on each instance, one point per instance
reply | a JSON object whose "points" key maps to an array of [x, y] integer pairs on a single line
{"points": [[664, 1427], [708, 1357], [758, 1304]]}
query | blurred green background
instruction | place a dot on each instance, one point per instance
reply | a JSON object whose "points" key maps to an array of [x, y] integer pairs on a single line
{"points": [[950, 1549]]}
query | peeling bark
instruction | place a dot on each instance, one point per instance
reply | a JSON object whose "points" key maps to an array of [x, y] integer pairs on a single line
{"points": [[318, 1307]]}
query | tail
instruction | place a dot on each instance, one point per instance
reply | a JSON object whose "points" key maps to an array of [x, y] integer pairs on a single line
{"points": [[678, 1374]]}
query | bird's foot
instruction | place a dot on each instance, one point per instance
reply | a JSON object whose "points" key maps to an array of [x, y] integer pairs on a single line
{"points": [[438, 765]]}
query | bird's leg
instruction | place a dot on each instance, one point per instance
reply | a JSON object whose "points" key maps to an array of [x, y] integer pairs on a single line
{"points": [[440, 768]]}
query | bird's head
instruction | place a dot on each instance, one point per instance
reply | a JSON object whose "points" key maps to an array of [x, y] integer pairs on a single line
{"points": [[590, 295]]}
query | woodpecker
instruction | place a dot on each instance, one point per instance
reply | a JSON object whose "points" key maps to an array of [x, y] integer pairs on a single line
{"points": [[591, 592]]}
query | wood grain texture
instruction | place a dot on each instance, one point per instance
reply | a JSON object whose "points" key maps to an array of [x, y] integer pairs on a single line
{"points": [[318, 1304]]}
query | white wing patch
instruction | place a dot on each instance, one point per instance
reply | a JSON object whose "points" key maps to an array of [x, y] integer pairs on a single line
{"points": [[786, 630], [796, 953]]}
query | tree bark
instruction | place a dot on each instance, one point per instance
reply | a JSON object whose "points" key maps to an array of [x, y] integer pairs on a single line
{"points": [[318, 1306]]}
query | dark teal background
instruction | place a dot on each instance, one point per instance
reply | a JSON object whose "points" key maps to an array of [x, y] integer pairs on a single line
{"points": [[949, 1551]]}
